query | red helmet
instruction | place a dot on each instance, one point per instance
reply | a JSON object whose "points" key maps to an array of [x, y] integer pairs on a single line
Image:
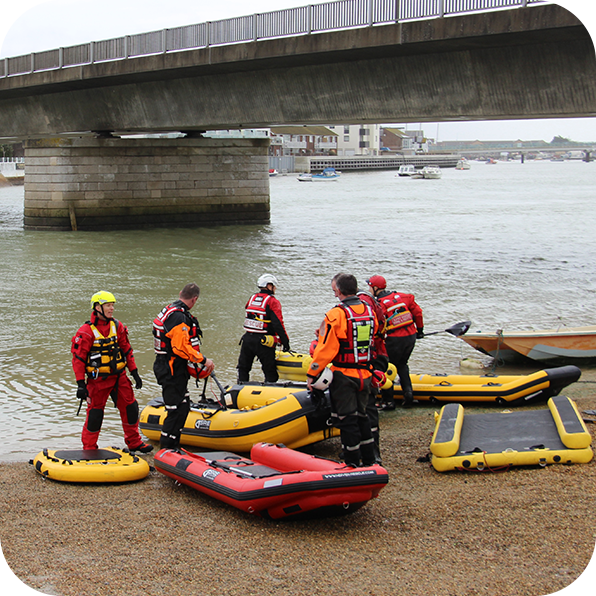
{"points": [[378, 281]]}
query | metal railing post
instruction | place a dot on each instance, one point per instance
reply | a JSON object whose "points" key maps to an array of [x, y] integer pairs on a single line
{"points": [[309, 19], [370, 12], [126, 45], [255, 24], [208, 35], [60, 57], [32, 62], [397, 7], [164, 41], [441, 8], [92, 52]]}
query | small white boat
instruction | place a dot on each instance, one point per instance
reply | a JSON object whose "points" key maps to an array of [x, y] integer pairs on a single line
{"points": [[463, 164], [273, 172], [304, 177], [431, 173], [564, 343], [326, 174], [407, 170]]}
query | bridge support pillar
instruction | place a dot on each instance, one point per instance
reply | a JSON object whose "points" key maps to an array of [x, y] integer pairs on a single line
{"points": [[118, 183]]}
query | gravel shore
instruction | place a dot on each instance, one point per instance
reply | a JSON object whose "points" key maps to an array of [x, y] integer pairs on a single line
{"points": [[523, 532]]}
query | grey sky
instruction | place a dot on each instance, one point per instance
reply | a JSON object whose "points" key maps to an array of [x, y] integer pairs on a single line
{"points": [[37, 25]]}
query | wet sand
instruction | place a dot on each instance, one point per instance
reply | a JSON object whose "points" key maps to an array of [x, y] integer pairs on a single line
{"points": [[523, 532]]}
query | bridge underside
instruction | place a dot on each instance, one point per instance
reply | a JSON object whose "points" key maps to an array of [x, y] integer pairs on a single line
{"points": [[526, 63]]}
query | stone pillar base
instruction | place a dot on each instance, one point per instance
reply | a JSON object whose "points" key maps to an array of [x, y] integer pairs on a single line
{"points": [[98, 184]]}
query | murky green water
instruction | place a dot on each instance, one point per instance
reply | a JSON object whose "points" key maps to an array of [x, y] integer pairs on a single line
{"points": [[505, 245]]}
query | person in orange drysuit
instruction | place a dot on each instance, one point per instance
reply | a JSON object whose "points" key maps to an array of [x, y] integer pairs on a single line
{"points": [[345, 341], [101, 353], [177, 338]]}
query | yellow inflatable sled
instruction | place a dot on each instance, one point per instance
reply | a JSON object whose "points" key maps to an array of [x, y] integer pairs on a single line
{"points": [[97, 465], [478, 442]]}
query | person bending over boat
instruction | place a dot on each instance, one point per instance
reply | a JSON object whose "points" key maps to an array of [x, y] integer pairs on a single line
{"points": [[345, 341], [177, 337], [263, 331], [404, 324], [101, 353]]}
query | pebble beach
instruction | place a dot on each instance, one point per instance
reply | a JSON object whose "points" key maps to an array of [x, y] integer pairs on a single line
{"points": [[521, 532]]}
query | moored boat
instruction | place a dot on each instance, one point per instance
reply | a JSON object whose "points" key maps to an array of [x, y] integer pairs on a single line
{"points": [[463, 164], [431, 173], [563, 344], [407, 170], [287, 417], [276, 482], [326, 174], [512, 389]]}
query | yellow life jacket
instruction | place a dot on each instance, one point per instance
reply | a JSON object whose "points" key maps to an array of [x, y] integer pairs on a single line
{"points": [[105, 356]]}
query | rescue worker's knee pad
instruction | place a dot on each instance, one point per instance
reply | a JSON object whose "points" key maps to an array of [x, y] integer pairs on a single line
{"points": [[94, 420], [132, 412]]}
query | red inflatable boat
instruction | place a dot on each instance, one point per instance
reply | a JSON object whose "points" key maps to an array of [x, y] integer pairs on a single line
{"points": [[276, 482]]}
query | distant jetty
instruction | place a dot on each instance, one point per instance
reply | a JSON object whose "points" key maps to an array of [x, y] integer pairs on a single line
{"points": [[392, 162]]}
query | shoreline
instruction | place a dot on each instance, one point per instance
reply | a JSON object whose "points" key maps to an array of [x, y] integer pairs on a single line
{"points": [[522, 532]]}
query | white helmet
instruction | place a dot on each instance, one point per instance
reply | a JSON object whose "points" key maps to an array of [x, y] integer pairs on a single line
{"points": [[265, 279], [323, 380]]}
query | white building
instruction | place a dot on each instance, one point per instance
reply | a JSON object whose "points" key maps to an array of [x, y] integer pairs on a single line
{"points": [[357, 139]]}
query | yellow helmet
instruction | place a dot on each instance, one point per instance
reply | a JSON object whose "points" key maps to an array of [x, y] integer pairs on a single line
{"points": [[102, 298]]}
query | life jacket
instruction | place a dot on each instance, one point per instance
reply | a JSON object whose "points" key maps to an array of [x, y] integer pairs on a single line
{"points": [[256, 313], [105, 357], [161, 343], [356, 350], [396, 312]]}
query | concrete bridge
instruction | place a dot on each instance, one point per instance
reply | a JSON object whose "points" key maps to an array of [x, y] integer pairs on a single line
{"points": [[532, 62]]}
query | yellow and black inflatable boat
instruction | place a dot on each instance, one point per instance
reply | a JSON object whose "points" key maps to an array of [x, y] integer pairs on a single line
{"points": [[287, 417], [500, 389], [90, 465], [479, 442]]}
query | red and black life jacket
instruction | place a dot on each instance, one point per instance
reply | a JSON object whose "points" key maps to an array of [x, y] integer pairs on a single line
{"points": [[161, 343], [397, 314], [256, 320], [356, 350]]}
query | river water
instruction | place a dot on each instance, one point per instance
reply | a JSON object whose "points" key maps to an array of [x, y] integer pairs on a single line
{"points": [[509, 245]]}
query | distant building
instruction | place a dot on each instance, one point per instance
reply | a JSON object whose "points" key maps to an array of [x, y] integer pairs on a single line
{"points": [[395, 139], [302, 140], [357, 139]]}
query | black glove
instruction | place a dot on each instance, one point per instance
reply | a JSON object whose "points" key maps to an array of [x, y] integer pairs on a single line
{"points": [[137, 378], [82, 392], [286, 348], [420, 333]]}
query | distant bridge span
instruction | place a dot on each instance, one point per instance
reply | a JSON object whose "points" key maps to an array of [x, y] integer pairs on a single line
{"points": [[533, 62]]}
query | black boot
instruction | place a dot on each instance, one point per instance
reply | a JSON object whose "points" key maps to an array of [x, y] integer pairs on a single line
{"points": [[408, 401]]}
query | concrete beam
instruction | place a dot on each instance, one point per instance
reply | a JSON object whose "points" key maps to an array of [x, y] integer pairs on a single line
{"points": [[536, 62]]}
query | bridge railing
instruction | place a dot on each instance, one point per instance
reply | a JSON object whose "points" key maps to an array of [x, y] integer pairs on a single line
{"points": [[304, 20]]}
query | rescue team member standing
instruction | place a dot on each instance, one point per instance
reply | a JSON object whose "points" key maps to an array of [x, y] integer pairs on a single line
{"points": [[345, 341], [263, 330], [101, 352], [380, 363], [404, 323], [177, 338]]}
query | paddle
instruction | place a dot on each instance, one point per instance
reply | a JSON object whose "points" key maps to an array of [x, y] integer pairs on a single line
{"points": [[457, 329]]}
